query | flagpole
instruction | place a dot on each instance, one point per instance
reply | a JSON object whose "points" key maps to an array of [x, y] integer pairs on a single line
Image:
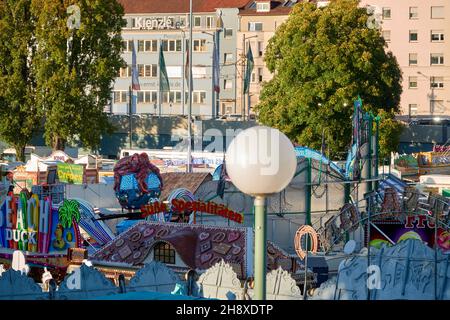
{"points": [[243, 80], [189, 168], [213, 74], [159, 80], [130, 91], [183, 90]]}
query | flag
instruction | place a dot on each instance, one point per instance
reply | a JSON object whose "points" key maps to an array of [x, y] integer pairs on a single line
{"points": [[163, 78], [248, 71], [223, 177], [134, 71], [186, 67], [216, 69]]}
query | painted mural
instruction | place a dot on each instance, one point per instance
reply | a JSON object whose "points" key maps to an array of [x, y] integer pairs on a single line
{"points": [[38, 227]]}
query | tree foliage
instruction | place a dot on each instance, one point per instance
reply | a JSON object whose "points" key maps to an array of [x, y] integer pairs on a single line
{"points": [[322, 59], [389, 134], [75, 68], [19, 116]]}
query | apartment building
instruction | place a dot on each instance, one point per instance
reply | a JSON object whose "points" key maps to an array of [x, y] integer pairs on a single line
{"points": [[152, 25], [258, 22], [418, 34]]}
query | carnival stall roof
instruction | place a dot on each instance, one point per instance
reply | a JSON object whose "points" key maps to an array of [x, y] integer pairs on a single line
{"points": [[35, 165], [199, 246], [190, 181]]}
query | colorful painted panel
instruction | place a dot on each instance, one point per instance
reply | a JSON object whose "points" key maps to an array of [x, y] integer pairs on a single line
{"points": [[35, 226]]}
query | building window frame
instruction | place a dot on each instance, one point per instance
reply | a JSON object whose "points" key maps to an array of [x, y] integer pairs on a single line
{"points": [[120, 96], [412, 83], [436, 59], [262, 6], [438, 35], [147, 96], [413, 13], [197, 22], [255, 26], [413, 62], [164, 252], [438, 16], [386, 13], [411, 36], [199, 45], [437, 83]]}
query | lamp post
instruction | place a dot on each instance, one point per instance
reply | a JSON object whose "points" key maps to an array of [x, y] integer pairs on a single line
{"points": [[260, 161]]}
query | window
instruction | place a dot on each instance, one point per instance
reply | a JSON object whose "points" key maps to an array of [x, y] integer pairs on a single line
{"points": [[227, 84], [147, 45], [174, 71], [199, 45], [197, 22], [198, 96], [120, 96], [147, 70], [147, 96], [437, 12], [413, 36], [413, 13], [437, 59], [262, 6], [412, 109], [228, 57], [386, 13], [387, 35], [437, 83], [182, 22], [228, 33], [412, 59], [437, 35], [260, 74], [255, 26], [171, 45], [163, 252], [253, 78], [127, 45], [125, 72], [260, 48], [437, 106], [227, 108], [209, 22], [198, 72], [413, 82], [172, 97]]}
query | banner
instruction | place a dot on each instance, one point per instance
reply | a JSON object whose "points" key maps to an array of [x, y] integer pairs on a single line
{"points": [[70, 173]]}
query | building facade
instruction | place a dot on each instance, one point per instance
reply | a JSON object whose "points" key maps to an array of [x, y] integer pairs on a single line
{"points": [[417, 33], [258, 22], [155, 25]]}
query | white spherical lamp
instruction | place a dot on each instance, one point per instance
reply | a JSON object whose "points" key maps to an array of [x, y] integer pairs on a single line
{"points": [[260, 161]]}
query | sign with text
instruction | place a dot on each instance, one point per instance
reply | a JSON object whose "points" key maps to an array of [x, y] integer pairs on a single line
{"points": [[70, 173], [180, 206]]}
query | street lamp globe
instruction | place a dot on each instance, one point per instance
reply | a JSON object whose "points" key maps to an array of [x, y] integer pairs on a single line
{"points": [[260, 161]]}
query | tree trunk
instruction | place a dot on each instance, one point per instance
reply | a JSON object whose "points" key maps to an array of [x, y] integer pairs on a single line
{"points": [[58, 143], [20, 153]]}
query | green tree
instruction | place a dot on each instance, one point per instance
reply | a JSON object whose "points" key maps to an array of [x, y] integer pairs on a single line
{"points": [[322, 58], [389, 133], [76, 67], [19, 116]]}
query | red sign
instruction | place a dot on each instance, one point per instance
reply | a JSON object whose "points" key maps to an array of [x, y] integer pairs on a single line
{"points": [[180, 206]]}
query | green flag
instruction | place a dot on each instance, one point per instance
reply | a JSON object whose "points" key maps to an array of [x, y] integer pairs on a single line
{"points": [[248, 71], [163, 78]]}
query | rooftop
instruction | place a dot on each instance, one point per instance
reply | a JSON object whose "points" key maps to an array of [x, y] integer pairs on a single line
{"points": [[178, 6]]}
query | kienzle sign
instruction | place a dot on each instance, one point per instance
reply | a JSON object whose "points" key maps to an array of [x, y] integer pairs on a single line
{"points": [[157, 23]]}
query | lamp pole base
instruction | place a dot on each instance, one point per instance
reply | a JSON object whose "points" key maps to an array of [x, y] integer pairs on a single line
{"points": [[260, 248]]}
